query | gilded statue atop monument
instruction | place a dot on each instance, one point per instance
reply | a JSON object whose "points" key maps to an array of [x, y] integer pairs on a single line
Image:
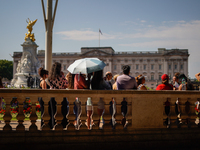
{"points": [[30, 28]]}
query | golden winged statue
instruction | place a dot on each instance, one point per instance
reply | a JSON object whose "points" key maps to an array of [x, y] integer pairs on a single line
{"points": [[30, 28]]}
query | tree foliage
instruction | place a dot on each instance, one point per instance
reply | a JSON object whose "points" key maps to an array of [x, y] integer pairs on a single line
{"points": [[6, 69]]}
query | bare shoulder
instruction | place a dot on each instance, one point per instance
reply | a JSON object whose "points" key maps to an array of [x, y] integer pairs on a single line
{"points": [[180, 87]]}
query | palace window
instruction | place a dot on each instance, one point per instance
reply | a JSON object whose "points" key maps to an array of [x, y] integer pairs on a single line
{"points": [[64, 67], [137, 67], [152, 67], [152, 77], [159, 77], [175, 66], [160, 67], [115, 67], [169, 66], [181, 66], [145, 66]]}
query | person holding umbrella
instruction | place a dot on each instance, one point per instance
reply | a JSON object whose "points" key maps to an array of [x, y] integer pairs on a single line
{"points": [[80, 82], [83, 68]]}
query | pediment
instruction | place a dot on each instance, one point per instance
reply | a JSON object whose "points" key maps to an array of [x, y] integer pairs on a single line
{"points": [[175, 52], [95, 53]]}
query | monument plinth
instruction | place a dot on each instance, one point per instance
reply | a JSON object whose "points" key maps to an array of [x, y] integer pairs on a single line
{"points": [[29, 64]]}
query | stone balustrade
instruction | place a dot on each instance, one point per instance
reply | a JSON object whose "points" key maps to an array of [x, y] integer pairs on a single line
{"points": [[144, 109], [135, 119]]}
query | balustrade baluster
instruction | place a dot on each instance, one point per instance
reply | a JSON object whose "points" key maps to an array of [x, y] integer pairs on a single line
{"points": [[77, 111], [40, 112], [52, 112], [65, 112], [45, 116], [33, 119], [89, 109], [7, 117], [59, 115], [14, 110], [20, 118], [167, 112], [100, 111], [197, 112], [2, 112], [124, 110], [113, 110], [178, 113], [187, 110]]}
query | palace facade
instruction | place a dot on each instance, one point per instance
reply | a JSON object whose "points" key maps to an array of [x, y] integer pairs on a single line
{"points": [[151, 64]]}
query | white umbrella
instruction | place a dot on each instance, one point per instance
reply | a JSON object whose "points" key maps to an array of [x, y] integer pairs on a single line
{"points": [[86, 65]]}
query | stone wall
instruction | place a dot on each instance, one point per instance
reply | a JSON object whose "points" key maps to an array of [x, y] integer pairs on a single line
{"points": [[146, 116]]}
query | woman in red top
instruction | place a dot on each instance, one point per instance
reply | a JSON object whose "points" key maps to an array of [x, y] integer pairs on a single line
{"points": [[165, 83], [80, 82]]}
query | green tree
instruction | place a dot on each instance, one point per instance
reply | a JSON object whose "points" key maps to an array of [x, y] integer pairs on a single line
{"points": [[6, 69]]}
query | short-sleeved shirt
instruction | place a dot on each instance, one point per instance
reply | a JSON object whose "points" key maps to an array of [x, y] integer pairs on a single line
{"points": [[164, 87], [126, 82]]}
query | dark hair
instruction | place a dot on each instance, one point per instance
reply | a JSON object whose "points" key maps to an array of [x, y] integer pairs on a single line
{"points": [[126, 69], [97, 78], [181, 76], [176, 75], [55, 71], [42, 72], [189, 85], [139, 79], [46, 72], [188, 82]]}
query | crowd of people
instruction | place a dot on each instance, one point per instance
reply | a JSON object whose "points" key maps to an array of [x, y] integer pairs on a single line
{"points": [[97, 81]]}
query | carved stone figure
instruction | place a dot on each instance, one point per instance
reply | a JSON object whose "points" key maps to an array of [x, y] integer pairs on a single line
{"points": [[26, 64], [19, 67]]}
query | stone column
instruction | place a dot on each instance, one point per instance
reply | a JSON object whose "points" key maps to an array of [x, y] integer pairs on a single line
{"points": [[165, 66], [48, 43], [178, 65], [110, 65], [172, 68], [185, 71], [14, 67]]}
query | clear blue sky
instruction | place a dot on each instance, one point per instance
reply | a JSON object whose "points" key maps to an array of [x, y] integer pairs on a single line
{"points": [[127, 25]]}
